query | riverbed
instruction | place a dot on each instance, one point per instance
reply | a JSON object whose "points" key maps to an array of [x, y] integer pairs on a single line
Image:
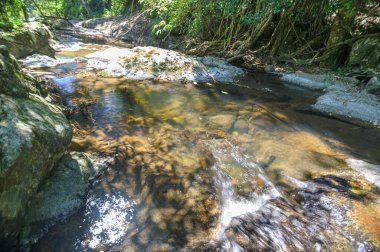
{"points": [[215, 167]]}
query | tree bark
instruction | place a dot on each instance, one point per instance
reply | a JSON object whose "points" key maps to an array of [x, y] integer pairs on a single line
{"points": [[256, 33], [340, 31], [25, 12], [38, 8], [87, 8]]}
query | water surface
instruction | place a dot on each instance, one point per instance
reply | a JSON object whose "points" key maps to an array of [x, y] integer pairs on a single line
{"points": [[214, 167]]}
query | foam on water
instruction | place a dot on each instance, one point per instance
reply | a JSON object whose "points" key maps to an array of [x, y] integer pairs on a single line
{"points": [[233, 205]]}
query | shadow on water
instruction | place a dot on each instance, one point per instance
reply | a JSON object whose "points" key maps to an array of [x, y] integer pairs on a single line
{"points": [[213, 169]]}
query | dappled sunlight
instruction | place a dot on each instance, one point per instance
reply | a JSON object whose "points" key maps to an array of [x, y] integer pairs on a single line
{"points": [[210, 166], [299, 153]]}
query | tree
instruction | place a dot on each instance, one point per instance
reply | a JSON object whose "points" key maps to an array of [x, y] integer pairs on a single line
{"points": [[10, 13], [341, 31]]}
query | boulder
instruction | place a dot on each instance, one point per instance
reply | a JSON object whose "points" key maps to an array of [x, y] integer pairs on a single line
{"points": [[317, 81], [14, 81], [270, 69], [134, 28], [57, 23], [34, 134], [59, 196], [31, 38], [366, 53], [151, 63], [341, 96], [373, 86], [350, 104]]}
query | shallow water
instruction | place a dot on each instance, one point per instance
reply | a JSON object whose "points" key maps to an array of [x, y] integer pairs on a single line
{"points": [[212, 167]]}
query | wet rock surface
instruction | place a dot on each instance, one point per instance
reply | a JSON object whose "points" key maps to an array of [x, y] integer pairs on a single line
{"points": [[62, 194], [317, 81], [151, 63], [373, 86], [34, 134], [14, 81], [341, 96], [31, 38], [314, 219], [205, 167]]}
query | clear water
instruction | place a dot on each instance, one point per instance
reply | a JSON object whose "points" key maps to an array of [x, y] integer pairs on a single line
{"points": [[209, 168]]}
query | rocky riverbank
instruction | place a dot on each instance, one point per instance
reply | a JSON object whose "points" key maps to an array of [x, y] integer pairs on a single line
{"points": [[34, 135], [342, 96], [41, 183]]}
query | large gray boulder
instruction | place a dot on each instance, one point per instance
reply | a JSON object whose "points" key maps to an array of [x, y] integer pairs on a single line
{"points": [[31, 38], [341, 96], [152, 63], [34, 134]]}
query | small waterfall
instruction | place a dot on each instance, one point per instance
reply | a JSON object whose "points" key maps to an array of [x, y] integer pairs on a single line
{"points": [[232, 204]]}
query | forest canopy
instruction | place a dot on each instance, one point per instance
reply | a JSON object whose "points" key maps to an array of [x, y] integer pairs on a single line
{"points": [[301, 31]]}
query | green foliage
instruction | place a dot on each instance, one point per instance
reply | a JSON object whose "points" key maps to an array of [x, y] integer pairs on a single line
{"points": [[10, 16], [121, 7], [77, 8], [161, 29], [207, 19]]}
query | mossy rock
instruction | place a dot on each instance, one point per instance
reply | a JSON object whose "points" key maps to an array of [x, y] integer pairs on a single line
{"points": [[14, 81], [34, 134], [366, 53], [32, 38]]}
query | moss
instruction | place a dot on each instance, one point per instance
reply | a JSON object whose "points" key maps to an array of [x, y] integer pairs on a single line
{"points": [[14, 81]]}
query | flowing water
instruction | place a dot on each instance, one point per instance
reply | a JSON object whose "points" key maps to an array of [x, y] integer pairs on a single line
{"points": [[214, 167]]}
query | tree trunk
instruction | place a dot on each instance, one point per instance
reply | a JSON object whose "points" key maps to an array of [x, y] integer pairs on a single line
{"points": [[87, 7], [256, 33], [340, 31], [38, 8], [25, 12]]}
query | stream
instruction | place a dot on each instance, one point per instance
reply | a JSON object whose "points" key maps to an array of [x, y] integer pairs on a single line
{"points": [[214, 167]]}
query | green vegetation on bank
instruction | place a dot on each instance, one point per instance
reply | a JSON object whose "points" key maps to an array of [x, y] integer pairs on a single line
{"points": [[301, 32]]}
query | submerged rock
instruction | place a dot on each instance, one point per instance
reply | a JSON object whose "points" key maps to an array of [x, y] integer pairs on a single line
{"points": [[142, 63], [31, 38], [241, 125], [224, 121]]}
